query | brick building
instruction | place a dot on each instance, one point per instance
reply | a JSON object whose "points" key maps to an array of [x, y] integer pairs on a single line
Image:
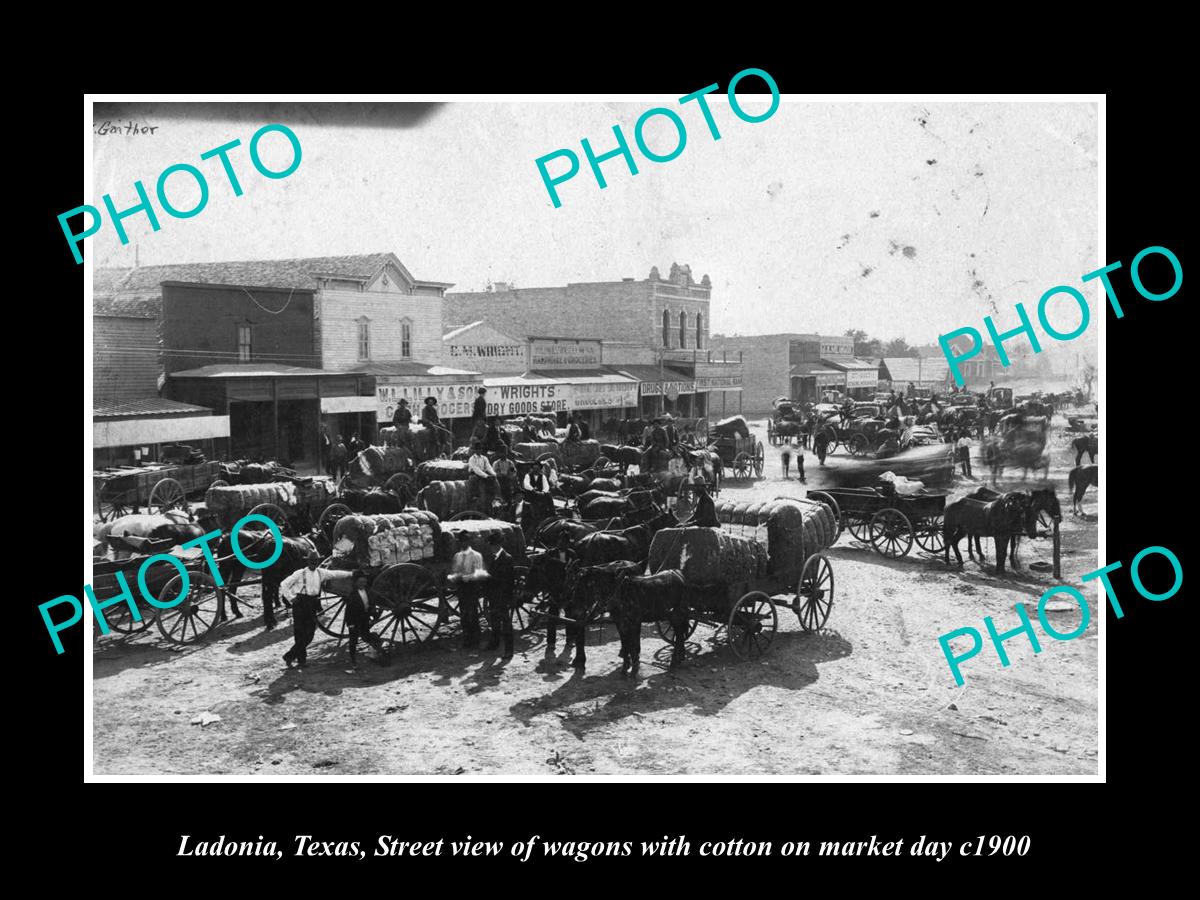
{"points": [[282, 345], [654, 331]]}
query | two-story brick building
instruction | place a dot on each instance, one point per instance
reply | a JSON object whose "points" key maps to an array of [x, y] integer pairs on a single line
{"points": [[653, 331], [279, 346]]}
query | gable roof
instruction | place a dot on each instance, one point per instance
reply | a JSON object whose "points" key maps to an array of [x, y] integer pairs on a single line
{"points": [[299, 274]]}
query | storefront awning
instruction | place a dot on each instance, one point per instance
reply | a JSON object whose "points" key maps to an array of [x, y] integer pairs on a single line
{"points": [[824, 374], [655, 380], [595, 388]]}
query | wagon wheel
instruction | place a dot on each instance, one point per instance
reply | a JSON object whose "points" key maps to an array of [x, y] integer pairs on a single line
{"points": [[274, 513], [401, 484], [331, 617], [119, 505], [831, 433], [929, 534], [860, 445], [752, 625], [741, 465], [468, 514], [891, 533], [859, 525], [408, 595], [191, 620], [548, 457], [330, 516], [828, 500], [220, 482], [666, 631], [814, 592], [167, 494], [759, 459], [601, 462], [120, 618]]}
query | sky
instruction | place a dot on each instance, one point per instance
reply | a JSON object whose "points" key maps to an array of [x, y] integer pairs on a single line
{"points": [[902, 219]]}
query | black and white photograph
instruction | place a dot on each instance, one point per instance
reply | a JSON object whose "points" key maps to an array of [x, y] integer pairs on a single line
{"points": [[738, 435]]}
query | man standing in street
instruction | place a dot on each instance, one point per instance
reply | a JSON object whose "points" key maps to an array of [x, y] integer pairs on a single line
{"points": [[500, 596], [466, 572], [821, 445], [326, 449], [358, 620], [303, 589], [964, 453]]}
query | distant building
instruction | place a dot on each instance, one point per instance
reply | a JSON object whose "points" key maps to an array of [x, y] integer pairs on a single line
{"points": [[928, 373]]}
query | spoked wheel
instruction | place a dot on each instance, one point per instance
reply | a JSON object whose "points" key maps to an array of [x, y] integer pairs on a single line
{"points": [[331, 617], [274, 513], [602, 462], [220, 482], [120, 617], [685, 501], [401, 484], [929, 534], [753, 622], [191, 620], [467, 514], [859, 525], [330, 516], [114, 507], [408, 595], [814, 593], [859, 445], [891, 533], [828, 500], [666, 630], [741, 465], [167, 494], [832, 435], [759, 459]]}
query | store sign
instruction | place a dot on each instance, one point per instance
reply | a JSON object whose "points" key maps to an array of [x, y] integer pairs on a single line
{"points": [[858, 378], [454, 401], [668, 388], [604, 396], [719, 383], [528, 399], [546, 353], [830, 379], [486, 353]]}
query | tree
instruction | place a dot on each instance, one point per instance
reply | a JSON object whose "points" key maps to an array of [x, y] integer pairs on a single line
{"points": [[898, 347], [1089, 377]]}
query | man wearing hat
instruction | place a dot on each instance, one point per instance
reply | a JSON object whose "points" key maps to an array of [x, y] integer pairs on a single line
{"points": [[466, 572], [402, 419], [479, 410], [303, 589], [705, 515], [358, 620], [500, 595]]}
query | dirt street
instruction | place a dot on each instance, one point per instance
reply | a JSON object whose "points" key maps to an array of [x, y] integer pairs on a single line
{"points": [[871, 694]]}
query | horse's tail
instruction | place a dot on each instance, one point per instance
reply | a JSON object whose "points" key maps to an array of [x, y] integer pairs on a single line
{"points": [[1072, 477]]}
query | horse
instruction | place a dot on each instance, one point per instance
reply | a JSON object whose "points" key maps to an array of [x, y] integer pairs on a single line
{"points": [[547, 578], [1088, 444], [606, 507], [649, 598], [999, 519], [533, 509], [630, 544], [623, 456], [588, 590], [259, 546], [1078, 480]]}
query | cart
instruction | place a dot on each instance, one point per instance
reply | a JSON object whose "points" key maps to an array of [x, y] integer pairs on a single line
{"points": [[123, 490], [738, 449], [184, 623], [888, 521]]}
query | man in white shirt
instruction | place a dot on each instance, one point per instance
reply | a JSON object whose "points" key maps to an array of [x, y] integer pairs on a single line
{"points": [[964, 453], [303, 588], [467, 572], [480, 474]]}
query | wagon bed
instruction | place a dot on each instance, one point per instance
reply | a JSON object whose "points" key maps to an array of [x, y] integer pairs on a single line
{"points": [[889, 522]]}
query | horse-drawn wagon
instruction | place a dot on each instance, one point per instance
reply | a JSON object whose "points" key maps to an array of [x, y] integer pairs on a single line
{"points": [[886, 519], [785, 422], [122, 490], [737, 448]]}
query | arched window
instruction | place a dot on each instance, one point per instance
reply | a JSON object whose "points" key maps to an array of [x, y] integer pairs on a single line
{"points": [[666, 329], [699, 331], [682, 329]]}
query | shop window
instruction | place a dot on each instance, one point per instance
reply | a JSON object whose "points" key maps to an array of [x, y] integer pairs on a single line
{"points": [[699, 331], [405, 339], [666, 329], [364, 339], [244, 347], [682, 329]]}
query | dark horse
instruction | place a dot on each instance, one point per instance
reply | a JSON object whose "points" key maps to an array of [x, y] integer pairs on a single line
{"points": [[1001, 519], [589, 590], [1088, 444], [649, 598], [1078, 480], [259, 546]]}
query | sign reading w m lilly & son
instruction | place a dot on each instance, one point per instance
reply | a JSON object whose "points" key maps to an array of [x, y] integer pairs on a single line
{"points": [[454, 401]]}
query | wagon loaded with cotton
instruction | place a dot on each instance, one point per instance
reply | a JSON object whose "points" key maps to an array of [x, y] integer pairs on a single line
{"points": [[765, 555], [406, 558], [739, 450], [295, 506]]}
